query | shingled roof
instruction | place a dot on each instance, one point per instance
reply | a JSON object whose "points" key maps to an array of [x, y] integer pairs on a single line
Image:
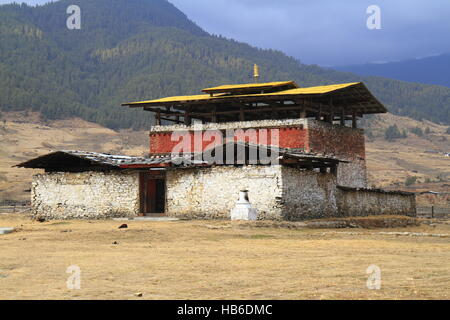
{"points": [[83, 161], [78, 161]]}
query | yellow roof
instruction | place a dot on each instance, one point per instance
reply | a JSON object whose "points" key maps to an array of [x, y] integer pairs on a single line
{"points": [[251, 86], [179, 99], [310, 90], [207, 97]]}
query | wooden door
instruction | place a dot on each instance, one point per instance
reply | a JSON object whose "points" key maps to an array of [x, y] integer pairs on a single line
{"points": [[152, 194]]}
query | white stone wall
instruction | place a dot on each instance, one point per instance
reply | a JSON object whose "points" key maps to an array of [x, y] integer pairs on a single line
{"points": [[308, 194], [86, 195], [212, 192], [277, 192]]}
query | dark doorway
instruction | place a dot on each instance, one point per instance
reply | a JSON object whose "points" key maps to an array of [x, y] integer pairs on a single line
{"points": [[152, 194]]}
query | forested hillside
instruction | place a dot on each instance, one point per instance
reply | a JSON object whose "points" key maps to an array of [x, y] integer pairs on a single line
{"points": [[128, 50]]}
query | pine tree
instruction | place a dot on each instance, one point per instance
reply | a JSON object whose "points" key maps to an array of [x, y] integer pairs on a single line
{"points": [[392, 133]]}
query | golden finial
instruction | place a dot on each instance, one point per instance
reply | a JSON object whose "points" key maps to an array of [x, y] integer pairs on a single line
{"points": [[256, 73]]}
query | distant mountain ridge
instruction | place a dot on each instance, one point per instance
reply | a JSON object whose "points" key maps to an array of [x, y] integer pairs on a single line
{"points": [[430, 70], [129, 50]]}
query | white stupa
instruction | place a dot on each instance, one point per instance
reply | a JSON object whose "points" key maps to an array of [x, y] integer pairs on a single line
{"points": [[244, 209]]}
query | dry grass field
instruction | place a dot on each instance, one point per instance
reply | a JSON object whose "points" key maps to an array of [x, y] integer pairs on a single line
{"points": [[218, 260]]}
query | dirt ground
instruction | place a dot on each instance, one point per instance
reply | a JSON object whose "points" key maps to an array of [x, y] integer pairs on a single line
{"points": [[218, 260]]}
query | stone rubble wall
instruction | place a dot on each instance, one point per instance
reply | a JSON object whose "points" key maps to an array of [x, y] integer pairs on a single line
{"points": [[352, 174], [308, 194], [86, 195], [365, 202], [312, 195], [211, 193]]}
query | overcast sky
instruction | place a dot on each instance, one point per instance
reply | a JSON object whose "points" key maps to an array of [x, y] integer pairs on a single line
{"points": [[327, 32]]}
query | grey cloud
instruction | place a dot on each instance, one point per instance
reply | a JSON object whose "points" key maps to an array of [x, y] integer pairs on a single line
{"points": [[328, 32]]}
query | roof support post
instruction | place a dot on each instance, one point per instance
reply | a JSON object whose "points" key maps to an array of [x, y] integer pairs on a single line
{"points": [[343, 117], [187, 118], [319, 114], [354, 120], [214, 114], [274, 113], [330, 117], [303, 110], [241, 114], [158, 117], [168, 111]]}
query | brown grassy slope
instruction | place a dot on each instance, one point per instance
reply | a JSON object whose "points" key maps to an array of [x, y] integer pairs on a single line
{"points": [[218, 260], [389, 163], [25, 137]]}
